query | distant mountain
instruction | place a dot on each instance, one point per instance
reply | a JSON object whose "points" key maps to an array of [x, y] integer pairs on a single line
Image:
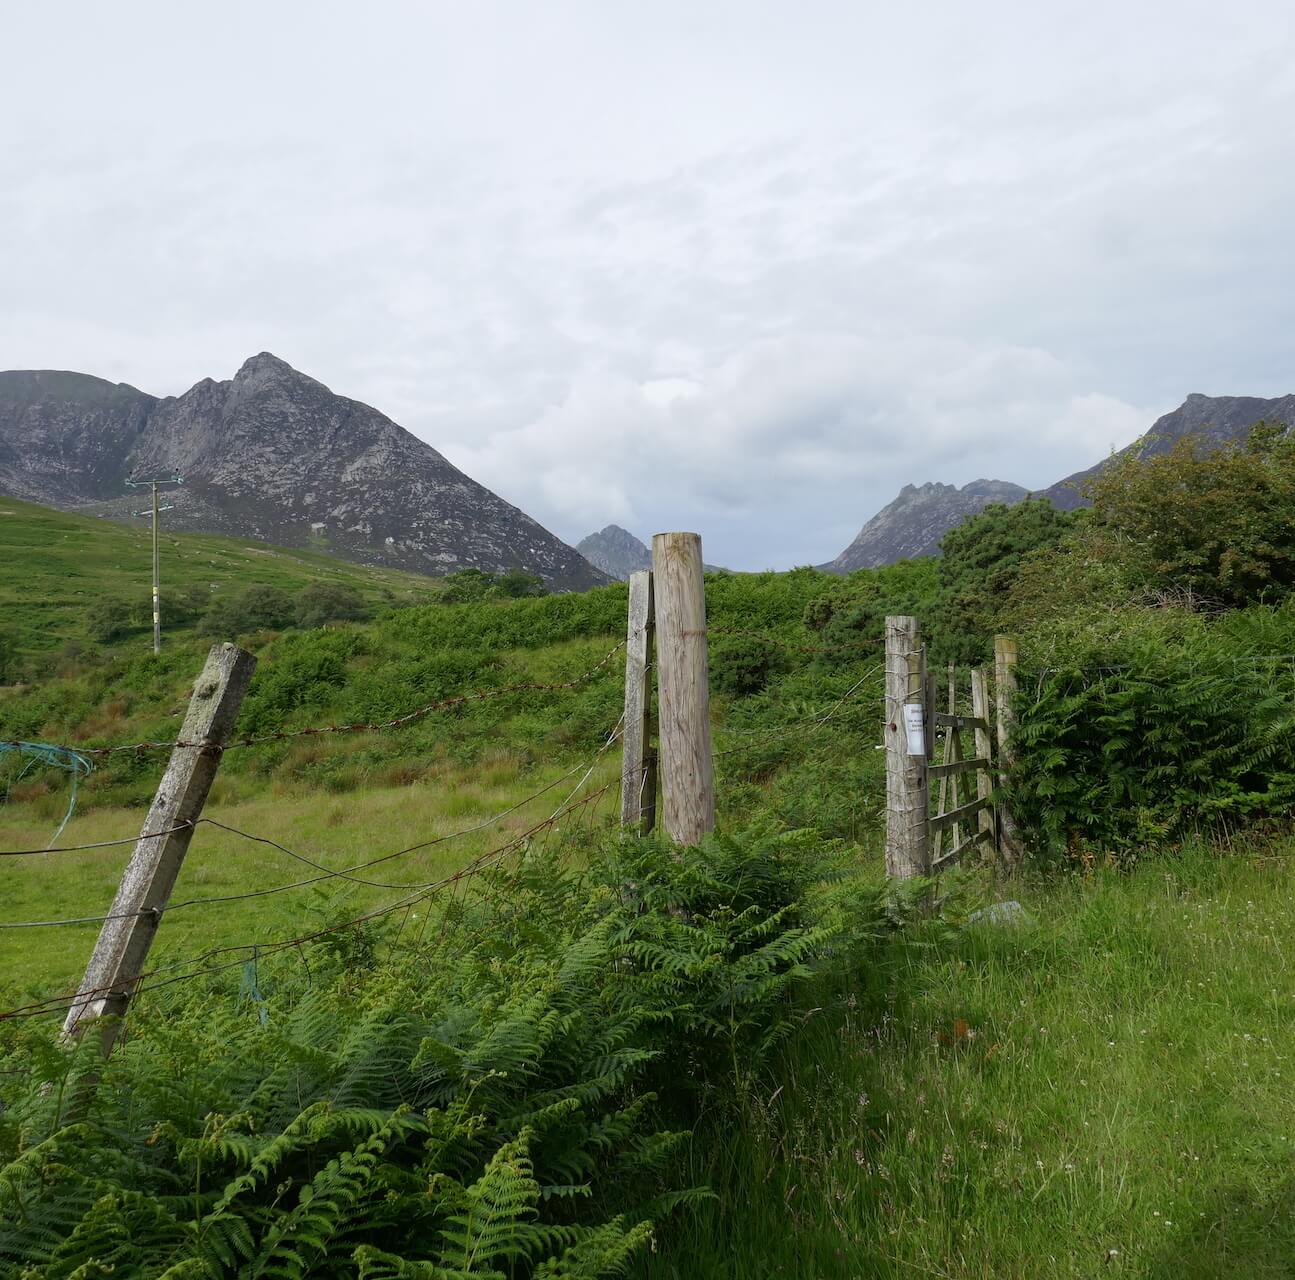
{"points": [[915, 522], [615, 551], [269, 454], [1216, 419]]}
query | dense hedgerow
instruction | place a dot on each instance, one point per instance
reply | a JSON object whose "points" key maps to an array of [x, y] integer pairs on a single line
{"points": [[507, 1101], [1140, 725]]}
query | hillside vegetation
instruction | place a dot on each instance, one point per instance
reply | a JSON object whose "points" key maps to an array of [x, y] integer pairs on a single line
{"points": [[64, 573], [756, 1059]]}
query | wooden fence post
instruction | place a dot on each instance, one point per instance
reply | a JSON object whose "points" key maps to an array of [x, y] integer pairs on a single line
{"points": [[984, 746], [125, 938], [908, 851], [683, 689], [1005, 653], [638, 768]]}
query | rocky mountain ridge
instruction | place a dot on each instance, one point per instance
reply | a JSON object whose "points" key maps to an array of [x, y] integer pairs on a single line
{"points": [[914, 523], [270, 454], [1217, 420]]}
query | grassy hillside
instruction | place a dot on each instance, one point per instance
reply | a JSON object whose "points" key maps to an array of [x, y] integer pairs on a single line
{"points": [[59, 565], [753, 1059], [341, 798]]}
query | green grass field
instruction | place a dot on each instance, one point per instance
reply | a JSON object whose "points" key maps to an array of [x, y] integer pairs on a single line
{"points": [[335, 831], [1106, 1090]]}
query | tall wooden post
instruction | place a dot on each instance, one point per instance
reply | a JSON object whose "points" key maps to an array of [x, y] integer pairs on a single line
{"points": [[125, 939], [638, 770], [683, 690], [157, 582], [984, 747], [908, 851], [1005, 653]]}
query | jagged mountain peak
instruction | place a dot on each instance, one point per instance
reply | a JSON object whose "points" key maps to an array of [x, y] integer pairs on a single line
{"points": [[914, 523], [918, 518], [274, 454], [267, 369], [615, 551], [1216, 420]]}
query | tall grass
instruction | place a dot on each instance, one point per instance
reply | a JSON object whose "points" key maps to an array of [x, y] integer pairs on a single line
{"points": [[1103, 1090]]}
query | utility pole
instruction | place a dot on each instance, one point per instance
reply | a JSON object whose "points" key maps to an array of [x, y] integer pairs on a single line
{"points": [[133, 482]]}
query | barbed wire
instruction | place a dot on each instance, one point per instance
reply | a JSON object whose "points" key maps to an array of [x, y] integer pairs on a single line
{"points": [[811, 726], [96, 844], [138, 985], [326, 873], [844, 647]]}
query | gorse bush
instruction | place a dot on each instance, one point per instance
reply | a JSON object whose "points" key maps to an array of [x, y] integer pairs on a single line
{"points": [[258, 608], [510, 1102], [1210, 522], [979, 568]]}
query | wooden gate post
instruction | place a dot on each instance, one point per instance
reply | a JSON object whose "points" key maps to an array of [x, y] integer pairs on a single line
{"points": [[908, 846], [638, 768], [683, 690], [145, 888], [984, 748], [1005, 653]]}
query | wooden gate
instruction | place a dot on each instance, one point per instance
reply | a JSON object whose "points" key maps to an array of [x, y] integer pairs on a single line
{"points": [[966, 818]]}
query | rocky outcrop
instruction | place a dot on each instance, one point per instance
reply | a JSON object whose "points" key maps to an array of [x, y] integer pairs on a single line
{"points": [[915, 522], [615, 551], [270, 454]]}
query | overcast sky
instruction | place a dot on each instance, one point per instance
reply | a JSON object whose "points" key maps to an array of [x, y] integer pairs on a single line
{"points": [[744, 268]]}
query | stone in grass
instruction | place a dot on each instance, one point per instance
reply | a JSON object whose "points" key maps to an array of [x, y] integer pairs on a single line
{"points": [[1011, 913]]}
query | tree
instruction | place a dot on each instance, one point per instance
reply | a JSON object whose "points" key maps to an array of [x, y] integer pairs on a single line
{"points": [[467, 586], [323, 602], [979, 565], [109, 620], [518, 584], [258, 608]]}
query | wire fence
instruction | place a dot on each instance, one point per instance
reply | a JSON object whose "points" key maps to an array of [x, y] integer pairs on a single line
{"points": [[579, 804]]}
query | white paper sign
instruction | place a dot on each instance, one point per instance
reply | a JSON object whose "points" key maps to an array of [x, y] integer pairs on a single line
{"points": [[914, 729]]}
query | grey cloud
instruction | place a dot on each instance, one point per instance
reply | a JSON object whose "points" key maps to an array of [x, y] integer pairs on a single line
{"points": [[713, 267]]}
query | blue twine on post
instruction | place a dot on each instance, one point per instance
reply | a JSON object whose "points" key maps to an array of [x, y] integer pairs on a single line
{"points": [[56, 757], [250, 987]]}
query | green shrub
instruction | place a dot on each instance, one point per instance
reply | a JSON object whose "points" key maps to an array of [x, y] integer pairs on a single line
{"points": [[323, 602], [1207, 521], [10, 658], [979, 566], [1140, 725], [258, 608], [517, 584], [110, 620], [742, 665], [467, 586]]}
